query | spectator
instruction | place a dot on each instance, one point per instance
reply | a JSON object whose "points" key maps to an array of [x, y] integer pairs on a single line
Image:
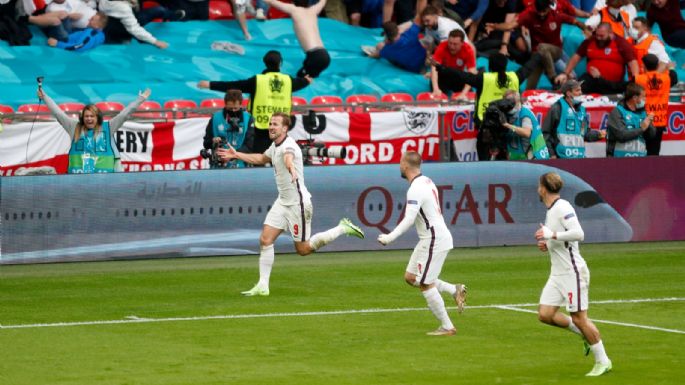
{"points": [[403, 10], [470, 11], [80, 40], [403, 50], [335, 10], [92, 138], [490, 85], [368, 13], [240, 7], [13, 27], [494, 34], [667, 14], [657, 87], [566, 126], [269, 92], [231, 126], [613, 14], [628, 124], [78, 17], [645, 42], [124, 23], [306, 26], [453, 53], [524, 139], [607, 57], [436, 26], [561, 6], [544, 25]]}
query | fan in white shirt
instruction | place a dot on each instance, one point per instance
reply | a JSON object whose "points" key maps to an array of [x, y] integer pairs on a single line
{"points": [[79, 12]]}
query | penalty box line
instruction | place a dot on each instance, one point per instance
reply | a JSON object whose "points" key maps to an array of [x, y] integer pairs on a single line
{"points": [[513, 307]]}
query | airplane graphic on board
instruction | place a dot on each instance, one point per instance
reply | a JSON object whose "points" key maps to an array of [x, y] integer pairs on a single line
{"points": [[221, 212]]}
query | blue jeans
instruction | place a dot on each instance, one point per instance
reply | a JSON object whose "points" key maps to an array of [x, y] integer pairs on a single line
{"points": [[260, 4]]}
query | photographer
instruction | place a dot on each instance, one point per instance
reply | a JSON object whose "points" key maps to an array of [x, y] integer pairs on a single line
{"points": [[511, 131], [232, 125]]}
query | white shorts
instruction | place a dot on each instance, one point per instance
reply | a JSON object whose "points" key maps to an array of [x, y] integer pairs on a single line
{"points": [[295, 219], [426, 264], [568, 289]]}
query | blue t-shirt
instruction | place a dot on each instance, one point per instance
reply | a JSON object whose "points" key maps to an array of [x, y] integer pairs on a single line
{"points": [[407, 52]]}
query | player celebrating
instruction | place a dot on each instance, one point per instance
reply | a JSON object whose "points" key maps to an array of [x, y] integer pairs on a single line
{"points": [[435, 242], [306, 25], [569, 279], [293, 209]]}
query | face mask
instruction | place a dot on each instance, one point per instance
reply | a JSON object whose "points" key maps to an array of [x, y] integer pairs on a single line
{"points": [[577, 99], [234, 114], [614, 11], [640, 104], [515, 111], [634, 34]]}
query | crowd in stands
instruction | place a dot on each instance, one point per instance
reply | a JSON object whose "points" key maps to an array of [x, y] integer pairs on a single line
{"points": [[441, 39]]}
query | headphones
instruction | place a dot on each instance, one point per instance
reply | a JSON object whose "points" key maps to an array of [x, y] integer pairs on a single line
{"points": [[98, 112]]}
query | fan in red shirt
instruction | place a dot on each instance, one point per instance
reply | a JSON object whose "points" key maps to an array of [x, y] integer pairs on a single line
{"points": [[561, 6], [607, 57], [544, 24], [453, 53], [667, 14]]}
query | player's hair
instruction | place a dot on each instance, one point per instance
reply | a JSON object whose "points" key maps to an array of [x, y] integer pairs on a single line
{"points": [[233, 95], [429, 11], [285, 118], [413, 159], [457, 33], [552, 182], [632, 90]]}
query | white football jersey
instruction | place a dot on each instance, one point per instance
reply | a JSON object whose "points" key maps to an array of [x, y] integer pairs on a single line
{"points": [[565, 256], [423, 208], [289, 193]]}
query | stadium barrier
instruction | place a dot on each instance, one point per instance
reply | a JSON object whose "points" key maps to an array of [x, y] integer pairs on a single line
{"points": [[439, 133], [220, 212]]}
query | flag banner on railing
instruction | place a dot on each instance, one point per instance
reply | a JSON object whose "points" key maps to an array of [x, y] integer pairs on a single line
{"points": [[369, 138]]}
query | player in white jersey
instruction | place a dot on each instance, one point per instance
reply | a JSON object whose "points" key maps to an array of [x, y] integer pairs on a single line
{"points": [[569, 279], [435, 242], [293, 209]]}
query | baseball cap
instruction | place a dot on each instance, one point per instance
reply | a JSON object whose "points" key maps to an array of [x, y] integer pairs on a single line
{"points": [[569, 85]]}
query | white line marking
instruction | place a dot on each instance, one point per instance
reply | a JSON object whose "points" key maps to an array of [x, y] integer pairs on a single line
{"points": [[315, 313], [513, 308]]}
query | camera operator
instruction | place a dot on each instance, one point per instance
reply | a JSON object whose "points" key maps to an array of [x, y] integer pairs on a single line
{"points": [[511, 131], [524, 139], [232, 125]]}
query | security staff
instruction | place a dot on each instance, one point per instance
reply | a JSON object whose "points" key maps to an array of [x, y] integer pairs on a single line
{"points": [[627, 123], [566, 125], [271, 91], [490, 85], [657, 87]]}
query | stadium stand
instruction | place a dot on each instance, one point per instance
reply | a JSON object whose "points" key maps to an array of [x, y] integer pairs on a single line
{"points": [[72, 109], [396, 97], [180, 104], [212, 103], [146, 106], [324, 100]]}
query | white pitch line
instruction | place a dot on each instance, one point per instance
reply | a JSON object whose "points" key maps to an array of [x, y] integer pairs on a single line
{"points": [[513, 308], [134, 319]]}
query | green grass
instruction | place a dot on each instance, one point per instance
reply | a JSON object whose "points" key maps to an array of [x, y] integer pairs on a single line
{"points": [[493, 346]]}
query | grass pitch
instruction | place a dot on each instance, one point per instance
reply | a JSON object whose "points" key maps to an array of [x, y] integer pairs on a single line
{"points": [[335, 318]]}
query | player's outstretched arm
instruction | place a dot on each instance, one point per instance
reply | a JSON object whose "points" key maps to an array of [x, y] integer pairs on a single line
{"points": [[318, 7], [230, 153], [281, 6]]}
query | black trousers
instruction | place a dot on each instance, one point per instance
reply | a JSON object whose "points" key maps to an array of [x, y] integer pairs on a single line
{"points": [[654, 143]]}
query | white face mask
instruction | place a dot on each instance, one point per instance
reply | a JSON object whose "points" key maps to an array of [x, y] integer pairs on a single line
{"points": [[633, 33], [614, 11], [640, 104], [577, 99], [515, 110]]}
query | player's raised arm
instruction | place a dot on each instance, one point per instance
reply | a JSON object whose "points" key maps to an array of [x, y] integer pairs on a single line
{"points": [[318, 7]]}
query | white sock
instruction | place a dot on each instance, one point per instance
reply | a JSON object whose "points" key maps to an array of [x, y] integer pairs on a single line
{"points": [[266, 261], [319, 240], [445, 287], [599, 353], [437, 306], [572, 327]]}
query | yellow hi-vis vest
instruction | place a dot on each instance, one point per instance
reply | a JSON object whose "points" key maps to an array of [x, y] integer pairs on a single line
{"points": [[491, 90], [273, 93]]}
